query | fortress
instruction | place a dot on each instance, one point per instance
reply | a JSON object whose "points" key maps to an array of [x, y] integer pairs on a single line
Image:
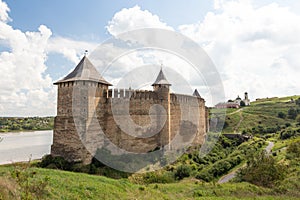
{"points": [[89, 114]]}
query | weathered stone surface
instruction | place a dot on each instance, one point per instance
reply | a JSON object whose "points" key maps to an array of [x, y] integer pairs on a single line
{"points": [[87, 113]]}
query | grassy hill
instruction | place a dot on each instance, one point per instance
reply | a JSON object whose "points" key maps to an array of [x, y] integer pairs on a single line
{"points": [[192, 176], [260, 116], [70, 185]]}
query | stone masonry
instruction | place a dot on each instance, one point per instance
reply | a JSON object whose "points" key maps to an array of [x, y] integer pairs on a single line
{"points": [[134, 120]]}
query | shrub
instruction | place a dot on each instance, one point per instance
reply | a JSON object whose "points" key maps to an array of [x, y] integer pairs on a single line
{"points": [[262, 170], [292, 113], [58, 162], [30, 185], [182, 171], [158, 177], [281, 115], [205, 176], [293, 150]]}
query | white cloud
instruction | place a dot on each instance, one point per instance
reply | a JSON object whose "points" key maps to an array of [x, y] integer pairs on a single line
{"points": [[22, 72], [129, 19], [25, 88], [4, 9], [254, 48], [71, 49]]}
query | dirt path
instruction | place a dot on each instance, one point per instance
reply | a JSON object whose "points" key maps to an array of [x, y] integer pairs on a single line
{"points": [[238, 125], [269, 147], [239, 110], [227, 177], [231, 175]]}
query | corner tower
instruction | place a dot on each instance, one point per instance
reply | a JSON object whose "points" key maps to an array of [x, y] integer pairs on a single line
{"points": [[162, 87], [78, 95]]}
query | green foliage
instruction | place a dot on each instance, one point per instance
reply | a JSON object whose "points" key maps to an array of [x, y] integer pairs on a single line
{"points": [[281, 115], [158, 177], [289, 132], [25, 123], [182, 171], [96, 167], [56, 162], [292, 113], [298, 119], [297, 101], [293, 150], [262, 170], [31, 186]]}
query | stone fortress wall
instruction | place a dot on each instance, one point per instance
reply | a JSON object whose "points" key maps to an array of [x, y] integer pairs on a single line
{"points": [[137, 121]]}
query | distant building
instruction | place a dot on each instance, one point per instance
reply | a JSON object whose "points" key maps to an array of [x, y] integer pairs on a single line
{"points": [[246, 100], [227, 105], [235, 103]]}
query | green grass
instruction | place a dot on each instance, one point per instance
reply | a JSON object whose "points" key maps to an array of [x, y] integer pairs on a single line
{"points": [[70, 185], [262, 113]]}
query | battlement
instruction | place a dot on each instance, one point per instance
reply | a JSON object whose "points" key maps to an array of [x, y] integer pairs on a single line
{"points": [[183, 98], [131, 120], [118, 93]]}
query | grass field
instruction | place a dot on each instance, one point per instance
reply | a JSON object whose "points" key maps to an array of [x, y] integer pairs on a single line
{"points": [[262, 113], [70, 185]]}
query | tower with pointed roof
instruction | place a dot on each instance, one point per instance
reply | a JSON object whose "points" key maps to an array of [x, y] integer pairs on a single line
{"points": [[86, 106], [79, 93], [162, 87]]}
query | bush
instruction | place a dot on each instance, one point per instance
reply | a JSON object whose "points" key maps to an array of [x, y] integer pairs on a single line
{"points": [[292, 113], [182, 171], [288, 133], [293, 150], [58, 162], [262, 170], [30, 185], [205, 176], [158, 177], [281, 115]]}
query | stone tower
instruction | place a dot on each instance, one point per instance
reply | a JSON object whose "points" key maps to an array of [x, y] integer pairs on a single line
{"points": [[162, 87], [78, 95]]}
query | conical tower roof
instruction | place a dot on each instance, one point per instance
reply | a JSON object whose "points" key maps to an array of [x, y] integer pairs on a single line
{"points": [[161, 79], [84, 71], [196, 93]]}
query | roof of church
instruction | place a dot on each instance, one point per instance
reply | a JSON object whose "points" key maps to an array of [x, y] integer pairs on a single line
{"points": [[196, 93], [84, 71], [161, 79], [238, 98]]}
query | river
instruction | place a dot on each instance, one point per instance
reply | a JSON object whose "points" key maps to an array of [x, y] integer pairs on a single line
{"points": [[22, 146]]}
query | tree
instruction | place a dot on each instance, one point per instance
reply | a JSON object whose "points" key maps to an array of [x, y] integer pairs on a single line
{"points": [[298, 102], [292, 113], [242, 104], [281, 115], [262, 170], [182, 171]]}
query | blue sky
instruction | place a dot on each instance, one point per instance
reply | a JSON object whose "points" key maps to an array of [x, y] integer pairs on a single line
{"points": [[87, 19], [253, 44]]}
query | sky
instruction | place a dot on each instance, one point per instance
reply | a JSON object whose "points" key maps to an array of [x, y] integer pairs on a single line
{"points": [[254, 44]]}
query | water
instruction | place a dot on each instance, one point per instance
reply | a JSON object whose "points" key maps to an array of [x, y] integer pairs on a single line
{"points": [[22, 146]]}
